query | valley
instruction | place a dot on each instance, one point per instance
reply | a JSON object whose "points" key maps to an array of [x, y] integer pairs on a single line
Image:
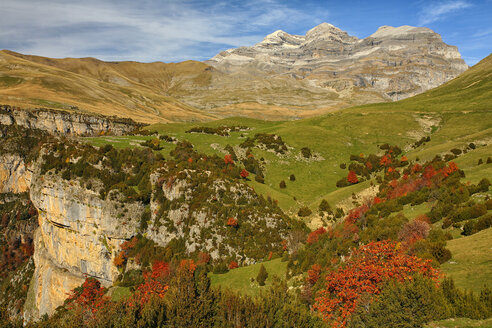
{"points": [[309, 181]]}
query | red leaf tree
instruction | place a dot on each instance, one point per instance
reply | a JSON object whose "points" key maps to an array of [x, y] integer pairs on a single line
{"points": [[228, 159], [89, 297], [365, 273], [352, 177], [244, 174]]}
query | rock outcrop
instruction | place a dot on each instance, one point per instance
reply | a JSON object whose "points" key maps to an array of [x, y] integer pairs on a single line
{"points": [[15, 177], [194, 206], [61, 122], [78, 236]]}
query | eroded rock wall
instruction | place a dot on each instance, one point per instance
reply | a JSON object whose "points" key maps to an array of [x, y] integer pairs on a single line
{"points": [[61, 122], [79, 234], [15, 177]]}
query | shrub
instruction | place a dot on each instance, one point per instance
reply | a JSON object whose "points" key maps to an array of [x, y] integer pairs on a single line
{"points": [[282, 185], [306, 152], [292, 177], [352, 177], [259, 178], [324, 206], [304, 211], [262, 276], [456, 151]]}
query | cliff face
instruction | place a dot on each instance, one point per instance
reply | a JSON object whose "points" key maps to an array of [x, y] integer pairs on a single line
{"points": [[77, 236], [61, 122], [15, 177]]}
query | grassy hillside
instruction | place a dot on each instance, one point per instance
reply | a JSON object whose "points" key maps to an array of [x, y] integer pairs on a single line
{"points": [[240, 279], [90, 85], [336, 136], [472, 260]]}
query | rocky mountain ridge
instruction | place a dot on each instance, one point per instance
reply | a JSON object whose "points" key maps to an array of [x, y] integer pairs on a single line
{"points": [[396, 62], [284, 76]]}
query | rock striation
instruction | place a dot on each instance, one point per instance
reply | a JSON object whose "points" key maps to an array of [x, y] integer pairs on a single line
{"points": [[61, 122], [393, 63], [15, 177], [78, 236]]}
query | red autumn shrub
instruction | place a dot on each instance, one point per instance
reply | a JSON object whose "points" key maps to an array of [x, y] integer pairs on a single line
{"points": [[313, 274], [203, 258], [314, 235], [414, 231], [187, 266], [244, 174], [385, 160], [233, 265], [89, 297], [232, 222], [365, 273], [352, 177], [228, 159]]}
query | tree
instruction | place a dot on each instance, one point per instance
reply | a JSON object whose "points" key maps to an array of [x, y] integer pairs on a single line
{"points": [[412, 303], [324, 206], [244, 174], [262, 276], [293, 177], [352, 177], [232, 222], [369, 268], [282, 185], [413, 231], [228, 159], [306, 152], [304, 211]]}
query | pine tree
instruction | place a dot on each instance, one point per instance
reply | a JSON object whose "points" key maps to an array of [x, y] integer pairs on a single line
{"points": [[262, 276]]}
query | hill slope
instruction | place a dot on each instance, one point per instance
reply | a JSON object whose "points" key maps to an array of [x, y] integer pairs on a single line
{"points": [[283, 77], [91, 85]]}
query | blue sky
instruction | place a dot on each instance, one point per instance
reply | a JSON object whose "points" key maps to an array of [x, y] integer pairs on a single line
{"points": [[172, 30]]}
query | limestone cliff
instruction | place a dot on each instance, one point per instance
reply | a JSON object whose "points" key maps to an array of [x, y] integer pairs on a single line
{"points": [[61, 122], [14, 175], [77, 237]]}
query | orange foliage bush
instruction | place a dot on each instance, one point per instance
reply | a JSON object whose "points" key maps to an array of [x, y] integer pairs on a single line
{"points": [[352, 177], [365, 273], [228, 159], [244, 174], [232, 222], [314, 235]]}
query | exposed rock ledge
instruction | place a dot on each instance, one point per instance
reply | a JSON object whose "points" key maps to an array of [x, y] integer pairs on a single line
{"points": [[15, 177], [61, 122]]}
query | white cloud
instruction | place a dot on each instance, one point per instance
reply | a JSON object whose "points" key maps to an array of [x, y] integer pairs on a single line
{"points": [[169, 30], [439, 11]]}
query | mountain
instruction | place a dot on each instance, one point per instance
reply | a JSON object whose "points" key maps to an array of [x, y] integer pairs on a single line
{"points": [[283, 77], [391, 64], [126, 89]]}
